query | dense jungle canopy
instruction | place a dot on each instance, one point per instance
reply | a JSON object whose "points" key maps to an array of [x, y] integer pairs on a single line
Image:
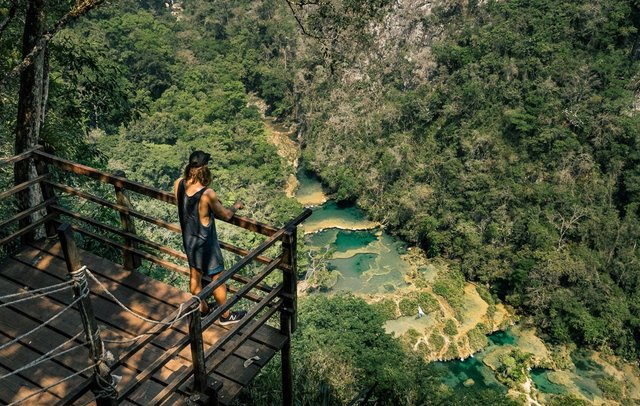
{"points": [[500, 136]]}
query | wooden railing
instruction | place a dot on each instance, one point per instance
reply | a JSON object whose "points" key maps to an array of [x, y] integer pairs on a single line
{"points": [[281, 298]]}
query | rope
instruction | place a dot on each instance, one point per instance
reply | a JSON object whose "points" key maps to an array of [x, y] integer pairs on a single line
{"points": [[15, 340], [127, 340], [35, 290], [48, 356], [52, 385], [48, 292], [178, 317]]}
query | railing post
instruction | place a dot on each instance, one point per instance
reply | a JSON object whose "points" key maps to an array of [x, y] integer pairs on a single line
{"points": [[288, 315], [47, 193], [130, 260], [104, 385], [202, 391]]}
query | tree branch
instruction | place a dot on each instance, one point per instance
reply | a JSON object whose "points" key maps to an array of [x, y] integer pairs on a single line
{"points": [[7, 20], [295, 15], [80, 8]]}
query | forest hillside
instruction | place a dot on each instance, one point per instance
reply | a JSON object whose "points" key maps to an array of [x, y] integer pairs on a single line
{"points": [[499, 138]]}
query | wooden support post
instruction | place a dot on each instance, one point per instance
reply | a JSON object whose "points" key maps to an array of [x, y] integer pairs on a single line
{"points": [[288, 319], [47, 193], [202, 390], [130, 260], [103, 386]]}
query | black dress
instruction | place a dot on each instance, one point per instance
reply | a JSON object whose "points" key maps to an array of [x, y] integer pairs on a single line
{"points": [[200, 242]]}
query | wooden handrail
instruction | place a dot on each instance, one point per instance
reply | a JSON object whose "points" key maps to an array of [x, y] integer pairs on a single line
{"points": [[20, 157], [25, 230], [22, 186], [25, 213], [145, 190], [160, 223], [162, 248]]}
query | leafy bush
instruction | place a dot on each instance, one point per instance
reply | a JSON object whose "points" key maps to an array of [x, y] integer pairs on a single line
{"points": [[450, 328]]}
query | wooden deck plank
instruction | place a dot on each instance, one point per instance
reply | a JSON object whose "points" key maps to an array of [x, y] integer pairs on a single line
{"points": [[29, 277], [115, 272], [250, 349], [45, 339], [46, 308], [229, 390], [15, 388], [144, 295], [106, 311], [232, 368], [133, 299], [134, 280], [43, 375], [151, 287]]}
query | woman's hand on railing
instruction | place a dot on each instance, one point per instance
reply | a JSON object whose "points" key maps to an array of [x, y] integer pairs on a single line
{"points": [[238, 205]]}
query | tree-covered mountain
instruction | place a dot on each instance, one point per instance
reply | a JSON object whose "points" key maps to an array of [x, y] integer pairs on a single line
{"points": [[502, 135]]}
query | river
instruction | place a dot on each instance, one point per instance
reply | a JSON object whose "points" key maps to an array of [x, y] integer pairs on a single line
{"points": [[369, 261], [372, 263]]}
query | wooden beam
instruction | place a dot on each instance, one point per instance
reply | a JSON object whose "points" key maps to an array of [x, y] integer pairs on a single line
{"points": [[19, 157], [47, 194], [92, 332], [27, 229], [22, 186], [137, 187], [129, 261], [25, 213]]}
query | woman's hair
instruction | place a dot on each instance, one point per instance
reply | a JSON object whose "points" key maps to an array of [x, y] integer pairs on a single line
{"points": [[201, 174]]}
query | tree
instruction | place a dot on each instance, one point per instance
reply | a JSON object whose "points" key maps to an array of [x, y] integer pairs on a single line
{"points": [[32, 96]]}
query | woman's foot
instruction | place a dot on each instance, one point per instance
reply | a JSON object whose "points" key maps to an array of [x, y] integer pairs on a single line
{"points": [[233, 317]]}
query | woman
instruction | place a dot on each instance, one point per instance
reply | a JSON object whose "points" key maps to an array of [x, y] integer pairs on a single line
{"points": [[197, 206]]}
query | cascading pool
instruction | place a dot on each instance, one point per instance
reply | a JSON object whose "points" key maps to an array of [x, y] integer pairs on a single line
{"points": [[370, 261]]}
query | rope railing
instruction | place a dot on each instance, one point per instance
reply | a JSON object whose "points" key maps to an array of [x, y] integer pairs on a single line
{"points": [[179, 315], [85, 293], [47, 356], [39, 293]]}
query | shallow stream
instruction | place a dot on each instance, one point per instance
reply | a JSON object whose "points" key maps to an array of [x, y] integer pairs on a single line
{"points": [[370, 261]]}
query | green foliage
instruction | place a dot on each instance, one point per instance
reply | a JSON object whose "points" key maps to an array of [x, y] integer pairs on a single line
{"points": [[450, 285], [387, 308], [411, 337], [513, 366], [436, 341], [452, 352], [450, 328], [611, 388], [567, 400], [409, 303], [478, 337], [514, 155]]}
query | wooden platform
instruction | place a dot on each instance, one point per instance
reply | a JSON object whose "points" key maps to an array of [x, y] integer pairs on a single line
{"points": [[41, 265]]}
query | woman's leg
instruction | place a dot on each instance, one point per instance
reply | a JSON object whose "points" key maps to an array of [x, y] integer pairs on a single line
{"points": [[220, 293], [195, 286]]}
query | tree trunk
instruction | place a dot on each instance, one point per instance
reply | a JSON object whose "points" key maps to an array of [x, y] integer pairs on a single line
{"points": [[30, 112]]}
